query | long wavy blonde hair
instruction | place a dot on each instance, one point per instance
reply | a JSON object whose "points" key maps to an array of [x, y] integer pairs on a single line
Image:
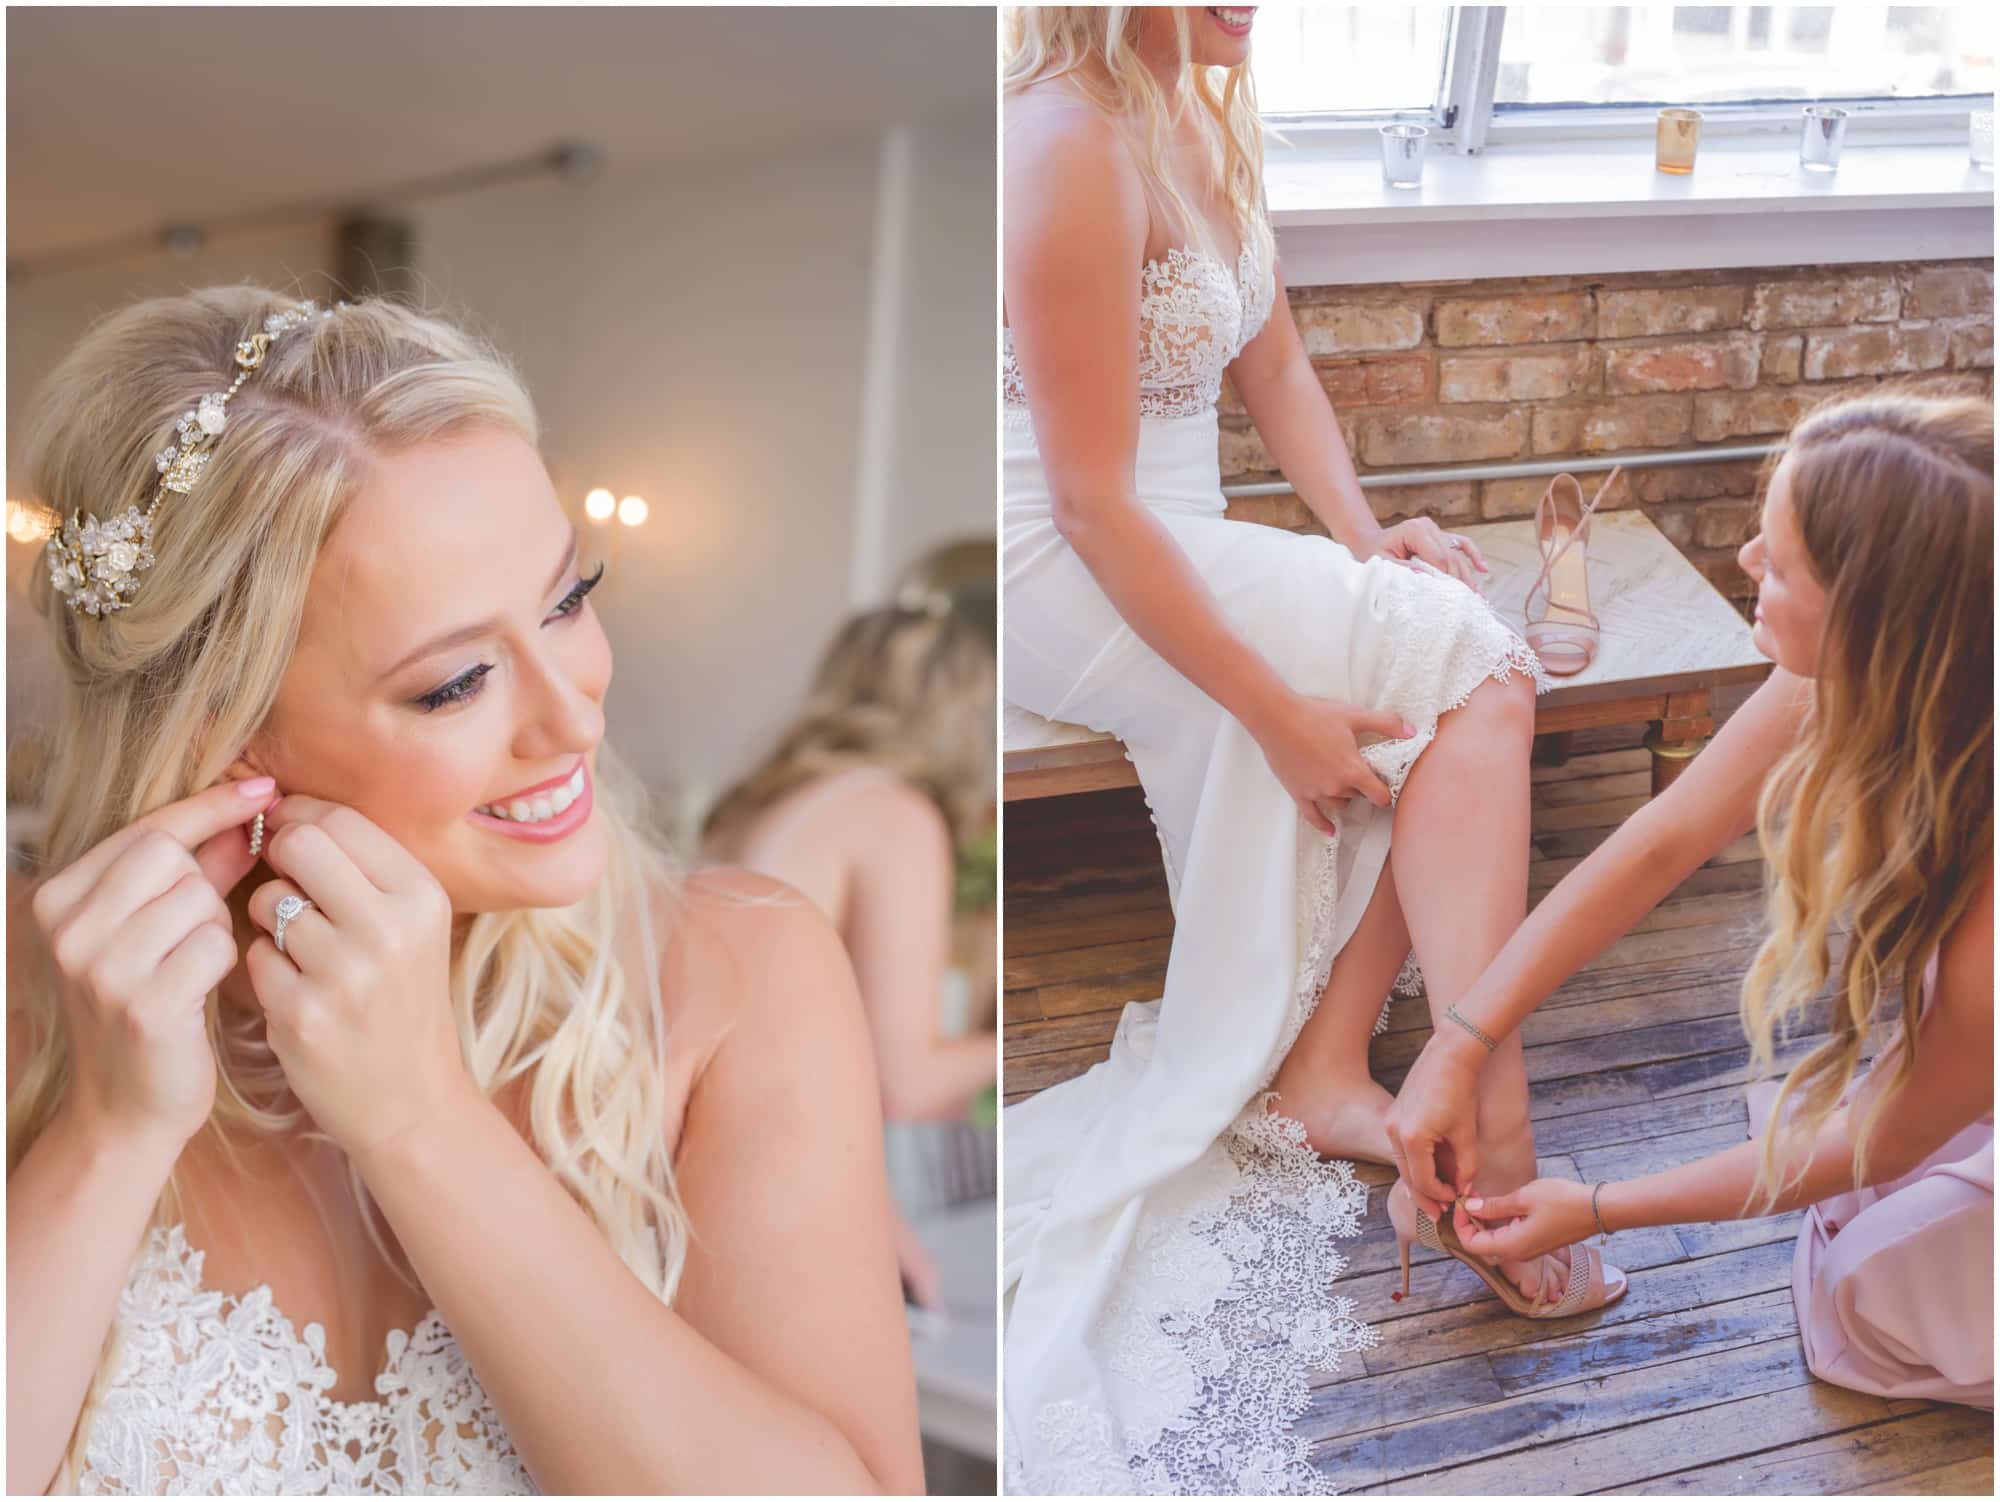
{"points": [[907, 689], [1096, 48], [1882, 815], [160, 696]]}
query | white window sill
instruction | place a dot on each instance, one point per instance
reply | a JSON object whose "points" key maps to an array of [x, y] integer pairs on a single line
{"points": [[1599, 206]]}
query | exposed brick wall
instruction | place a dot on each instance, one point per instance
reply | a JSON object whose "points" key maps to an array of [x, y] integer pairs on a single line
{"points": [[1439, 373]]}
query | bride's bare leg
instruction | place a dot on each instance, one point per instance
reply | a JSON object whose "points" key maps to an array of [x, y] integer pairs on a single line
{"points": [[1324, 1081], [1460, 862]]}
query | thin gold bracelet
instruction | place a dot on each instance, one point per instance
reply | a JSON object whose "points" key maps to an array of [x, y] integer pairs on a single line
{"points": [[1463, 1021], [1593, 1209]]}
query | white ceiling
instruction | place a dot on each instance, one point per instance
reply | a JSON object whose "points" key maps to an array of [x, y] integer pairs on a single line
{"points": [[120, 121]]}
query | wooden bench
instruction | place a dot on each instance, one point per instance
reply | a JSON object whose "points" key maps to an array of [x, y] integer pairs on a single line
{"points": [[1669, 640]]}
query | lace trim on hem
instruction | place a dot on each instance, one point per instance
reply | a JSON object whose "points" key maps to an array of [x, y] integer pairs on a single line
{"points": [[1237, 1255]]}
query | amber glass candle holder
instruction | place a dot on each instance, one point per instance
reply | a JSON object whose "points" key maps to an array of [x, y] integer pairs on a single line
{"points": [[1675, 139]]}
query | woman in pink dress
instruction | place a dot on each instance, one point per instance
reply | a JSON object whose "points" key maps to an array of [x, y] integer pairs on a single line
{"points": [[1866, 764]]}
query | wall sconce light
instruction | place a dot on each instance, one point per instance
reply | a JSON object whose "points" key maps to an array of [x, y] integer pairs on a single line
{"points": [[599, 505], [632, 510], [27, 522]]}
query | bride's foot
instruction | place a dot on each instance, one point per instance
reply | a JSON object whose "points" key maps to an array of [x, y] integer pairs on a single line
{"points": [[1343, 1123], [1549, 1287]]}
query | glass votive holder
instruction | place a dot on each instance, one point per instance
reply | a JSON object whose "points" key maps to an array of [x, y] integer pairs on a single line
{"points": [[1403, 148], [1822, 129], [1982, 140], [1675, 138]]}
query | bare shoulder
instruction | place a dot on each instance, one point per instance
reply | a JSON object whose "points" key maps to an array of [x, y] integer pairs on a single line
{"points": [[752, 966], [1068, 168], [877, 812]]}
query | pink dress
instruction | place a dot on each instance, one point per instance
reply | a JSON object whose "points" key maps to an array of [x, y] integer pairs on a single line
{"points": [[1894, 1283]]}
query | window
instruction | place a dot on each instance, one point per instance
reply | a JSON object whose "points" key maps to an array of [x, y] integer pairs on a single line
{"points": [[1704, 54], [1375, 59], [1470, 69]]}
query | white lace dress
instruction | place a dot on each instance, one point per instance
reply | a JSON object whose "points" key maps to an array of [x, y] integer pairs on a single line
{"points": [[217, 1395], [1170, 1246]]}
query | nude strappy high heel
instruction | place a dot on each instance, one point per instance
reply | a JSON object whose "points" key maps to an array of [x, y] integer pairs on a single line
{"points": [[1563, 629], [1592, 1284]]}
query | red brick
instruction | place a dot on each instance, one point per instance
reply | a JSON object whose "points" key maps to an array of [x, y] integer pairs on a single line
{"points": [[1638, 311], [1528, 375], [1728, 360], [1972, 343], [1228, 403], [1725, 524], [1883, 349], [1448, 501], [1846, 299], [1345, 328], [1629, 422], [1524, 318], [1769, 409], [1722, 570], [1244, 453], [1384, 381], [1693, 482], [1420, 438], [1948, 291], [1676, 524], [1781, 357], [1286, 511], [1519, 497]]}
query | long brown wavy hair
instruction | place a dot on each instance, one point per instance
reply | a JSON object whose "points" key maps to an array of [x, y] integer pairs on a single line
{"points": [[1096, 47], [911, 690], [1882, 815]]}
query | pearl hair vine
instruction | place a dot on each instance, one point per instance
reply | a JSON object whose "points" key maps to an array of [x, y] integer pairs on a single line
{"points": [[95, 565]]}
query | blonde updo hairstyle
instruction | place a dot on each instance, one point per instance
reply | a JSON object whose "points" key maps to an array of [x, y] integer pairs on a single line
{"points": [[160, 697], [1882, 817], [1096, 48]]}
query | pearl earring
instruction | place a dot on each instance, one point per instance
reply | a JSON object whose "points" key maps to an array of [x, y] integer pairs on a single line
{"points": [[257, 835]]}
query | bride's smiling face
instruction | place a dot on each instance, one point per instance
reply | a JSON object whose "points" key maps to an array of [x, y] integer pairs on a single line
{"points": [[449, 670]]}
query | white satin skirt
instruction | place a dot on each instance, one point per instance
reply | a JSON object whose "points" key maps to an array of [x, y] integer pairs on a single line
{"points": [[1170, 1246]]}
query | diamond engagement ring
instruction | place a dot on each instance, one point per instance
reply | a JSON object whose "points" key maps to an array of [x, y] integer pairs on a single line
{"points": [[288, 909]]}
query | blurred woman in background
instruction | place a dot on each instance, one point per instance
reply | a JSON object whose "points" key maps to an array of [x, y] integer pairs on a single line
{"points": [[867, 804]]}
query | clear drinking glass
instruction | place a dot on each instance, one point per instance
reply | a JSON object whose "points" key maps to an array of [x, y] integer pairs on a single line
{"points": [[1675, 138], [1403, 148], [1982, 140], [1822, 129]]}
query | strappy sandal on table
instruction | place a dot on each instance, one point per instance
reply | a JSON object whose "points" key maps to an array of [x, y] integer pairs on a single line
{"points": [[1592, 1282], [1563, 629]]}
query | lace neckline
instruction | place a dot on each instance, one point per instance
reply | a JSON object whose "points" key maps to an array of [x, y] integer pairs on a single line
{"points": [[186, 1261]]}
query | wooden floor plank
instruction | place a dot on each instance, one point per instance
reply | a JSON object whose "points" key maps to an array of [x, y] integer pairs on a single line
{"points": [[1949, 1441]]}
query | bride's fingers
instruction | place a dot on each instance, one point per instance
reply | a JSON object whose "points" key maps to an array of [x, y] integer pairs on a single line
{"points": [[1309, 811], [1421, 1170]]}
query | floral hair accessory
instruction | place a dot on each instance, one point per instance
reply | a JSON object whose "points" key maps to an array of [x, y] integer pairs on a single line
{"points": [[95, 565]]}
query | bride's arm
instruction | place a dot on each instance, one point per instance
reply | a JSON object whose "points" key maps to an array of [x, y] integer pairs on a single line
{"points": [[1073, 246], [783, 1364], [1712, 803], [1282, 393]]}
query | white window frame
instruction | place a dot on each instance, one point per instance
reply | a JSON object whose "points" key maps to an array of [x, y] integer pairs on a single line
{"points": [[1463, 121]]}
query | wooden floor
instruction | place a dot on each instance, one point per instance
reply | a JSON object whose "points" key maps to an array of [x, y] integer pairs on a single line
{"points": [[1694, 1382]]}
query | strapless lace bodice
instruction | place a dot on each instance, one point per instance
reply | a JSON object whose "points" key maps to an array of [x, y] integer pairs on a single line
{"points": [[1195, 316], [219, 1395]]}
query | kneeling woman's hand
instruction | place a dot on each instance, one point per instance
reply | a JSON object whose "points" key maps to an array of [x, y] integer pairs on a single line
{"points": [[358, 1006], [1539, 1217]]}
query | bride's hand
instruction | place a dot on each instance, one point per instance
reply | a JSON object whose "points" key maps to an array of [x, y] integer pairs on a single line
{"points": [[1314, 751], [1437, 1109], [1538, 1217], [358, 1006], [1422, 539]]}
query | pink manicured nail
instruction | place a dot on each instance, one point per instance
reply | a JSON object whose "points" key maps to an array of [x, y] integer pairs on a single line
{"points": [[257, 787], [1475, 1206]]}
